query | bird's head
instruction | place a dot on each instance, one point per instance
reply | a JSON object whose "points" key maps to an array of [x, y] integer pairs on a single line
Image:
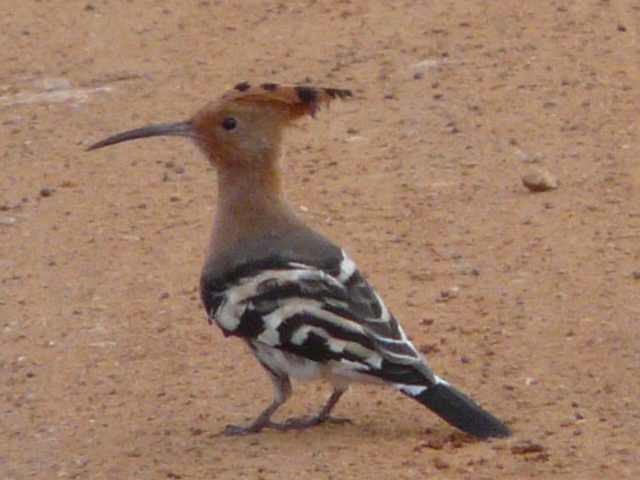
{"points": [[243, 127]]}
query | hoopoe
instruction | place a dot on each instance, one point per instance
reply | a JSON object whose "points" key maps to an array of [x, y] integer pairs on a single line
{"points": [[296, 299]]}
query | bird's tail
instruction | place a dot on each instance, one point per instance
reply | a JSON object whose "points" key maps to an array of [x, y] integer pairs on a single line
{"points": [[456, 408]]}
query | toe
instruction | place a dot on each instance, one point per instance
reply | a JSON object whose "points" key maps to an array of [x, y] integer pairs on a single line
{"points": [[337, 420]]}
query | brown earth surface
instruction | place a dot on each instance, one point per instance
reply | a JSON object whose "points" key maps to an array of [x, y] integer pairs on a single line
{"points": [[528, 301]]}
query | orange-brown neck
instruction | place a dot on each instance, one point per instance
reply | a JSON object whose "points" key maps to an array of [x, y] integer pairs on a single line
{"points": [[251, 205]]}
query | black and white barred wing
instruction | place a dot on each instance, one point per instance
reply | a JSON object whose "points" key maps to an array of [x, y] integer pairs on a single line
{"points": [[323, 316], [376, 319]]}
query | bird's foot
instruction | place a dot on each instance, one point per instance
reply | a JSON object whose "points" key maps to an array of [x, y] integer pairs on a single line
{"points": [[294, 423], [298, 423]]}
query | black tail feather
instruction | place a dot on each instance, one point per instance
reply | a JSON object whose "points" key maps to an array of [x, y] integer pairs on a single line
{"points": [[460, 411]]}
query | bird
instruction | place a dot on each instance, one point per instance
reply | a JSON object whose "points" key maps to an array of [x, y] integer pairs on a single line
{"points": [[296, 299]]}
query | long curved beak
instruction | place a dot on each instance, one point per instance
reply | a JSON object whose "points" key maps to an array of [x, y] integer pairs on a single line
{"points": [[176, 129]]}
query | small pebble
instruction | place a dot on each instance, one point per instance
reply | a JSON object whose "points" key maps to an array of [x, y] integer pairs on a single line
{"points": [[539, 181], [433, 444], [446, 295], [46, 192], [440, 464]]}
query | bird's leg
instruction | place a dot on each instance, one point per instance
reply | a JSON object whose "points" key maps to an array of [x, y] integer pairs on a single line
{"points": [[323, 416], [281, 392]]}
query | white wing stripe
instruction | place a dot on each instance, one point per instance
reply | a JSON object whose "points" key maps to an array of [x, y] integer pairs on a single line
{"points": [[347, 268]]}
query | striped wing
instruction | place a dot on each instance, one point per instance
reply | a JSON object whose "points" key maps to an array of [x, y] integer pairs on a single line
{"points": [[316, 314]]}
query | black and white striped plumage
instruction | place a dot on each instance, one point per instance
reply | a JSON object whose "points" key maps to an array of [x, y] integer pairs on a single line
{"points": [[325, 322]]}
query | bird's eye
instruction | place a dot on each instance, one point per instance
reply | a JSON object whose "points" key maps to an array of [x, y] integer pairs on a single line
{"points": [[229, 123]]}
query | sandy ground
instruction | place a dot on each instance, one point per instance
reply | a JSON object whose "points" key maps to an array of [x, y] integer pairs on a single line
{"points": [[529, 301]]}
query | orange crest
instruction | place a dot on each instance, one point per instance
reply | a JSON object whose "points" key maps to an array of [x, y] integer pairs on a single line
{"points": [[300, 100]]}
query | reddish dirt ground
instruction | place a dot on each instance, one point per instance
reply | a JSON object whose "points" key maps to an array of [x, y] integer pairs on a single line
{"points": [[528, 301]]}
